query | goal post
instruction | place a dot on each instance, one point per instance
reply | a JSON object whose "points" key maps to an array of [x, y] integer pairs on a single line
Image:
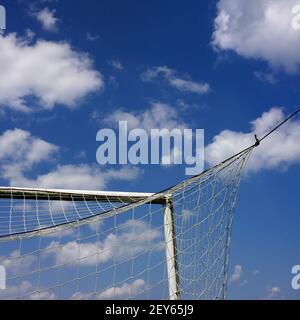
{"points": [[171, 250], [74, 244]]}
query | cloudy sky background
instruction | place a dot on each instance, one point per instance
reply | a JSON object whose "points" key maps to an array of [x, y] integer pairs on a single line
{"points": [[229, 66]]}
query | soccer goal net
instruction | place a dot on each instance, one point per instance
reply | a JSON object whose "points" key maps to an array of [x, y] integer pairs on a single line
{"points": [[63, 244]]}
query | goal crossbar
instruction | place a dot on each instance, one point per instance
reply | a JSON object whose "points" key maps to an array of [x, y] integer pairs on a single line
{"points": [[78, 195]]}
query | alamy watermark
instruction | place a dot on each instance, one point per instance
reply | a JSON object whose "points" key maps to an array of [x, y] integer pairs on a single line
{"points": [[2, 278], [2, 18], [296, 279], [157, 147], [295, 23]]}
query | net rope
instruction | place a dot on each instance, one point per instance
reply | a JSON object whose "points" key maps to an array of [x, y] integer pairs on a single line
{"points": [[59, 245]]}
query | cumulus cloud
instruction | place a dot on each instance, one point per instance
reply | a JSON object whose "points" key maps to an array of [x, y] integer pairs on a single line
{"points": [[237, 274], [158, 116], [82, 176], [256, 272], [24, 150], [47, 18], [27, 291], [17, 265], [259, 29], [126, 290], [51, 72], [20, 152], [122, 292], [274, 293], [133, 237], [280, 150], [117, 65], [268, 77], [171, 77], [15, 291], [43, 295], [91, 37]]}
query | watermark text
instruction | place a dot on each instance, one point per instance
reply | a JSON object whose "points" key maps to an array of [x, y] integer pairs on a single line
{"points": [[296, 278], [2, 278], [157, 147], [296, 17], [2, 18]]}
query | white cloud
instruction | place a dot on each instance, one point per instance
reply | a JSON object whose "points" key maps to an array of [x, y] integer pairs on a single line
{"points": [[43, 295], [237, 274], [133, 237], [96, 226], [47, 18], [280, 150], [20, 152], [184, 84], [27, 291], [90, 37], [82, 296], [259, 29], [268, 77], [88, 177], [256, 272], [24, 150], [125, 291], [158, 116], [122, 292], [16, 264], [243, 283], [187, 215], [274, 293], [30, 34], [51, 72], [15, 291], [117, 65]]}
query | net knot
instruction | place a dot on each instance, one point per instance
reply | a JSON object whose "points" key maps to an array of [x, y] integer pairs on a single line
{"points": [[257, 141]]}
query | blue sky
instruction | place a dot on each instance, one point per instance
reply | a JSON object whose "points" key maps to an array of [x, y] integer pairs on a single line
{"points": [[236, 68]]}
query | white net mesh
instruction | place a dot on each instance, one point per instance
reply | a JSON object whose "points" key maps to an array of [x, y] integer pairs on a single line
{"points": [[64, 245]]}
